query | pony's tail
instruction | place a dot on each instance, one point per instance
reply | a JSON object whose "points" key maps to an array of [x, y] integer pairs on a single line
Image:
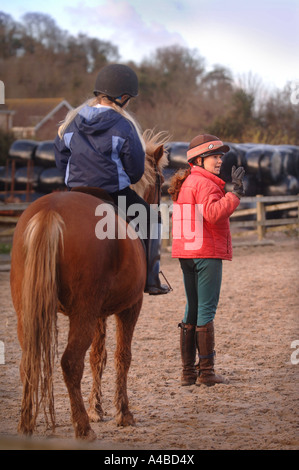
{"points": [[43, 240]]}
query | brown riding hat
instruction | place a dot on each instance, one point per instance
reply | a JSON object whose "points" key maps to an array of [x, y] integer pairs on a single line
{"points": [[204, 145]]}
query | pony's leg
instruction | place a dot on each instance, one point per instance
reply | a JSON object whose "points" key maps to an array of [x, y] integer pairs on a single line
{"points": [[98, 358], [125, 324], [81, 333]]}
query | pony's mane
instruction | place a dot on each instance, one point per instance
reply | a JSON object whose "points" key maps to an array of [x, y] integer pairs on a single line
{"points": [[152, 142]]}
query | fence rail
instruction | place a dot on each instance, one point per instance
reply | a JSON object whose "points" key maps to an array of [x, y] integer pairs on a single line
{"points": [[253, 218], [263, 206]]}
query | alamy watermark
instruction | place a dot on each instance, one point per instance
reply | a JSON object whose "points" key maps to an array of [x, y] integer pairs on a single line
{"points": [[2, 92], [187, 222], [294, 92], [295, 354], [2, 353]]}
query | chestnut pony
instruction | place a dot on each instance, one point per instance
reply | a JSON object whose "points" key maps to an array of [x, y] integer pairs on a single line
{"points": [[59, 265]]}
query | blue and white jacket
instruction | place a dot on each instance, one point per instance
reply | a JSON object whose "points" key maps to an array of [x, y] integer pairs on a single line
{"points": [[100, 148]]}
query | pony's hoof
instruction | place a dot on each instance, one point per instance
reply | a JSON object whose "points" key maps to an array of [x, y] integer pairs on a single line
{"points": [[125, 420], [95, 416], [90, 436]]}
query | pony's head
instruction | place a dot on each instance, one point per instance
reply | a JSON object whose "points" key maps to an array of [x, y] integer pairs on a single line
{"points": [[155, 160]]}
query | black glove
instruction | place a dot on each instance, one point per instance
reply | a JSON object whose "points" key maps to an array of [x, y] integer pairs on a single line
{"points": [[237, 180]]}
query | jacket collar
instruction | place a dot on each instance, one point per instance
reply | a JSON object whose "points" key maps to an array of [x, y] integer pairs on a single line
{"points": [[207, 174]]}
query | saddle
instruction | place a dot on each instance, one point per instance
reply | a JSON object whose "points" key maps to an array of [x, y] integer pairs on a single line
{"points": [[104, 196], [93, 191], [151, 248]]}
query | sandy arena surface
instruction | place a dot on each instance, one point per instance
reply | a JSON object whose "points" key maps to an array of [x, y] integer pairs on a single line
{"points": [[257, 326]]}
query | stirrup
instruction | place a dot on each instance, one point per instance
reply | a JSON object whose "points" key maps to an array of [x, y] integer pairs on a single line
{"points": [[169, 286], [158, 290]]}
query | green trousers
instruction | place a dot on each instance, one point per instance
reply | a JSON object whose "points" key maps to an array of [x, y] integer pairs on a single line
{"points": [[202, 281]]}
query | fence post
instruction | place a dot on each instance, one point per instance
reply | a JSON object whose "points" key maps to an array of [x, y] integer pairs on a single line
{"points": [[260, 218]]}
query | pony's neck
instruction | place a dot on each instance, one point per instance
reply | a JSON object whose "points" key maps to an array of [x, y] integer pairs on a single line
{"points": [[152, 163], [148, 179]]}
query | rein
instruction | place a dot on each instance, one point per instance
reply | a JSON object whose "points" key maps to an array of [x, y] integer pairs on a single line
{"points": [[158, 196], [157, 186]]}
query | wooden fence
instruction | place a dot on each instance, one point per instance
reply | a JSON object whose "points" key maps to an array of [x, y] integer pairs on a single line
{"points": [[262, 206], [253, 219], [9, 215]]}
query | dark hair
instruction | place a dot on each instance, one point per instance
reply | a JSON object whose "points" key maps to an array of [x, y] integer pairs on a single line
{"points": [[176, 183]]}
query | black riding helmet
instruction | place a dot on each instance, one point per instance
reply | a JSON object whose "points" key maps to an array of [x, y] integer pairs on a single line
{"points": [[116, 80]]}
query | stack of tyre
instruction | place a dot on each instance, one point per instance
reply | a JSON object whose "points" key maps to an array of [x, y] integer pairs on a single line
{"points": [[271, 170], [44, 177], [177, 160]]}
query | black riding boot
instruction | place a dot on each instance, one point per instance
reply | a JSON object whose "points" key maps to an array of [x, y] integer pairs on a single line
{"points": [[153, 247]]}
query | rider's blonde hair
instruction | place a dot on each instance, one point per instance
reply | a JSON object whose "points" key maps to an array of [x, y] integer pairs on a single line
{"points": [[93, 102]]}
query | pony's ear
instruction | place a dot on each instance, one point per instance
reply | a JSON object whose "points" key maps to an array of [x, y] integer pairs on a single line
{"points": [[159, 152]]}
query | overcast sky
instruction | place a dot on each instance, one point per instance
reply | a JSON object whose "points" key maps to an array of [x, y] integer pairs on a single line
{"points": [[260, 37]]}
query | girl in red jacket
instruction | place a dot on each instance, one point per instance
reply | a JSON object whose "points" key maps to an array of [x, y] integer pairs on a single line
{"points": [[201, 240]]}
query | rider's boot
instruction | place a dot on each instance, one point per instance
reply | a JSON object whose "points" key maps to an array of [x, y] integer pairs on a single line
{"points": [[153, 247]]}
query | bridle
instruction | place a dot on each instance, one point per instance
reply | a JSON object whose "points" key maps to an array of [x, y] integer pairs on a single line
{"points": [[158, 185]]}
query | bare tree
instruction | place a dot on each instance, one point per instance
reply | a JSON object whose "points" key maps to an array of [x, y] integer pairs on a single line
{"points": [[177, 93]]}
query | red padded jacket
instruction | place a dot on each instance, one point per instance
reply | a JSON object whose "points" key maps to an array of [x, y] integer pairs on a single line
{"points": [[200, 222]]}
